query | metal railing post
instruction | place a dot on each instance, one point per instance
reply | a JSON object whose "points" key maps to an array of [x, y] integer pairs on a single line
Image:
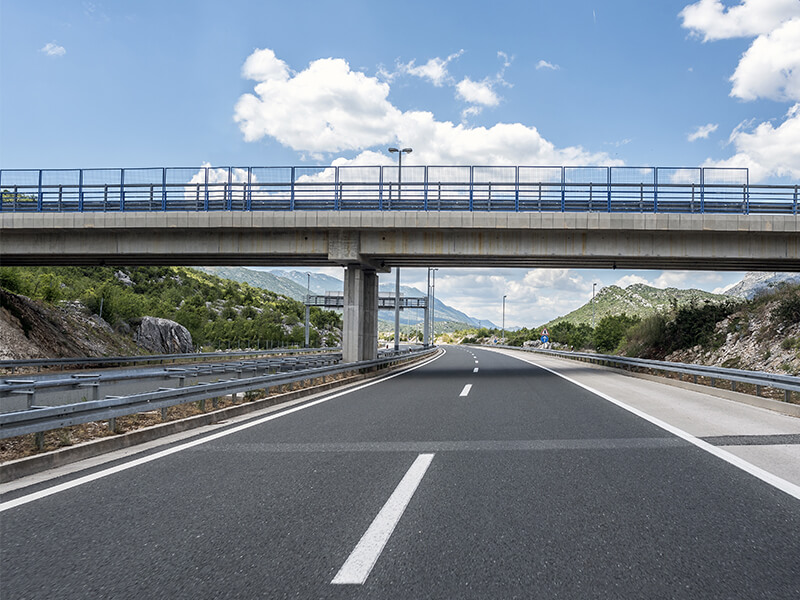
{"points": [[516, 189], [380, 188], [122, 190], [702, 191], [608, 184], [563, 190], [39, 200], [80, 190], [470, 188], [164, 189], [655, 189], [205, 202], [291, 192], [336, 189], [248, 194], [425, 190]]}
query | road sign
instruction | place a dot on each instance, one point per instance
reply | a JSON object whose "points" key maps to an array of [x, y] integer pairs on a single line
{"points": [[545, 339], [545, 332]]}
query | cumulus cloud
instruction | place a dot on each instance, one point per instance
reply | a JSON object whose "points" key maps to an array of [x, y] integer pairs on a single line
{"points": [[435, 70], [477, 92], [765, 149], [329, 108], [712, 20], [771, 66], [543, 64], [53, 49], [702, 132]]}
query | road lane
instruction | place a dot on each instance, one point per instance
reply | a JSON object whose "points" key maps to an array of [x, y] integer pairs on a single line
{"points": [[538, 489]]}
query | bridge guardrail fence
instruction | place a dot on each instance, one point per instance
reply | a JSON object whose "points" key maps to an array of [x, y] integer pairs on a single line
{"points": [[428, 188]]}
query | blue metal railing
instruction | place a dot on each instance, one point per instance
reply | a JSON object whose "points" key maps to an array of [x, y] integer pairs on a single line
{"points": [[430, 188]]}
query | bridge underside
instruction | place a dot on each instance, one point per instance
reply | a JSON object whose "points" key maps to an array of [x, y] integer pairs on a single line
{"points": [[370, 242]]}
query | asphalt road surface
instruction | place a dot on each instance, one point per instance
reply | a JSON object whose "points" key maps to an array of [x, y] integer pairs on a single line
{"points": [[473, 476]]}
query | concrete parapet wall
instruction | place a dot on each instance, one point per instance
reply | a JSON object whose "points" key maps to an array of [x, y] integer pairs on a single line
{"points": [[383, 239]]}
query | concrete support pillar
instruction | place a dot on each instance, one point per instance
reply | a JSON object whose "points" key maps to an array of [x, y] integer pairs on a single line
{"points": [[360, 315]]}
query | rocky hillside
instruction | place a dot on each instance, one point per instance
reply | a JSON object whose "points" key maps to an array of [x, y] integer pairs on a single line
{"points": [[30, 329], [637, 300], [77, 311], [764, 335]]}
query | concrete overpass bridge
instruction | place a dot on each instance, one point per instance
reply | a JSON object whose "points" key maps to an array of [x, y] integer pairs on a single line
{"points": [[362, 219]]}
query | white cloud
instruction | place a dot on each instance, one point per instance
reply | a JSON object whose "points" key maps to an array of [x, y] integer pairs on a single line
{"points": [[53, 49], [263, 65], [631, 279], [771, 66], [714, 21], [477, 92], [703, 132], [543, 64], [435, 70], [329, 108], [767, 150]]}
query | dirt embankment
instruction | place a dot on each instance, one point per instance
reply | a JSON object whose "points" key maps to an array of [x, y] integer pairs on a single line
{"points": [[30, 329]]}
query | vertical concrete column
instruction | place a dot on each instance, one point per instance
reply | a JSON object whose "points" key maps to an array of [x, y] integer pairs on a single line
{"points": [[360, 315]]}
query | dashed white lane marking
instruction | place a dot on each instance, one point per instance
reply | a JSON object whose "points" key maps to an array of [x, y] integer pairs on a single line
{"points": [[465, 391], [476, 362], [475, 370], [196, 442], [358, 565]]}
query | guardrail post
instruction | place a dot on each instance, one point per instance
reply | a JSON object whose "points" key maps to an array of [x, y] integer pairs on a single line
{"points": [[608, 183], [112, 425], [563, 189], [39, 440], [122, 189], [291, 190], [516, 189]]}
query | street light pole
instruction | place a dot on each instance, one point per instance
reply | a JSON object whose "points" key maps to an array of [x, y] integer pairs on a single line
{"points": [[397, 310], [594, 285], [504, 318], [308, 307], [400, 167], [433, 306]]}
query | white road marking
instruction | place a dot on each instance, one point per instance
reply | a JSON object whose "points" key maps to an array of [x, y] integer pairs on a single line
{"points": [[358, 565], [465, 391], [475, 370], [151, 457], [476, 362], [765, 476]]}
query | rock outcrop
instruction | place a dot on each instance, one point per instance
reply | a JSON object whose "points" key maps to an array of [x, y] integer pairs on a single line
{"points": [[162, 336]]}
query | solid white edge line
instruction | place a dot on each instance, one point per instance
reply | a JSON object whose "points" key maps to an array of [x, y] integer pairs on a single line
{"points": [[465, 391], [765, 476], [146, 459], [362, 559]]}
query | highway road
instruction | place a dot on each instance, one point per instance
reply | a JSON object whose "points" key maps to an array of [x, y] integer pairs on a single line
{"points": [[475, 475]]}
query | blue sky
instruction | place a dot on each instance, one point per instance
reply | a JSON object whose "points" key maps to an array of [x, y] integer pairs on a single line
{"points": [[133, 84]]}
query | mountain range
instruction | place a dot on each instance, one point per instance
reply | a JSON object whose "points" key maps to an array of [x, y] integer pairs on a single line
{"points": [[295, 284]]}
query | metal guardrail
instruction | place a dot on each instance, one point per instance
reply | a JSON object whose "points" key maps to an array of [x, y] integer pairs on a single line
{"points": [[760, 379], [428, 188], [93, 386], [45, 419], [148, 358]]}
